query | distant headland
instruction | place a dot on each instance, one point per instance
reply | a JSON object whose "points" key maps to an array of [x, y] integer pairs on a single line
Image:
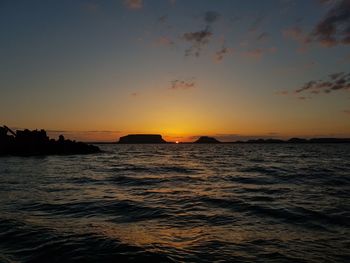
{"points": [[29, 143]]}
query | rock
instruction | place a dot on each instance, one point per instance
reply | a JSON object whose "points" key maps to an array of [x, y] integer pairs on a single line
{"points": [[206, 139], [297, 140], [142, 138], [28, 143]]}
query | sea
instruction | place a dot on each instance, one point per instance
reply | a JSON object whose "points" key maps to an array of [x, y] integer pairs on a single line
{"points": [[178, 203]]}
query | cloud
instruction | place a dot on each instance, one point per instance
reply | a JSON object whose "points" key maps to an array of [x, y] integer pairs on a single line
{"points": [[294, 33], [134, 94], [164, 41], [303, 97], [335, 82], [198, 40], [183, 84], [221, 53], [162, 19], [334, 76], [282, 92], [263, 36], [334, 28], [346, 112], [253, 53], [297, 34], [211, 17], [201, 38], [133, 4]]}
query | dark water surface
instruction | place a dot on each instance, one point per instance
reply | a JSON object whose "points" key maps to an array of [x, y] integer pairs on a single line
{"points": [[223, 203]]}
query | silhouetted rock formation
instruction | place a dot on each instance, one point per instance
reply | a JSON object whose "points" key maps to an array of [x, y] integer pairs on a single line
{"points": [[329, 140], [206, 139], [27, 143], [297, 140], [142, 138]]}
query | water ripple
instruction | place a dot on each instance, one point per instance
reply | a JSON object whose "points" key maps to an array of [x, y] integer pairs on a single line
{"points": [[178, 203]]}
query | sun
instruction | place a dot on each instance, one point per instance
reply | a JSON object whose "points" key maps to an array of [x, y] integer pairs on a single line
{"points": [[177, 142]]}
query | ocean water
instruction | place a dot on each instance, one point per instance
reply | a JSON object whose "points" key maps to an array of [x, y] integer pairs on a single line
{"points": [[178, 203]]}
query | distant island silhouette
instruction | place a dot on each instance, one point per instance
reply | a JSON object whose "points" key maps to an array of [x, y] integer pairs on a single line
{"points": [[142, 138], [157, 139], [28, 143], [36, 142], [206, 139], [298, 140]]}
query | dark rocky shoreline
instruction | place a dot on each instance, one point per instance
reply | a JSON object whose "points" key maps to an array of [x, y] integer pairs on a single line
{"points": [[31, 143]]}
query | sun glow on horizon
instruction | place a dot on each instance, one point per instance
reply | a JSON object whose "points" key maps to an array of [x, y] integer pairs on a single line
{"points": [[96, 83]]}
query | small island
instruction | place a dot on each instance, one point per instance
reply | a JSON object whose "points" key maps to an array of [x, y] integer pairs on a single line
{"points": [[29, 143], [142, 139], [207, 139]]}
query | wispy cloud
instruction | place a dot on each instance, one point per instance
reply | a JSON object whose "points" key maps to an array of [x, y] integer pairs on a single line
{"points": [[164, 41], [198, 39], [162, 19], [253, 53], [303, 97], [334, 28], [346, 112], [335, 82], [211, 17], [133, 4], [183, 84], [263, 36], [221, 53], [297, 34], [282, 92], [258, 53]]}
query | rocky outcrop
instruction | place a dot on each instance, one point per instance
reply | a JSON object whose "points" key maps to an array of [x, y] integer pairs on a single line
{"points": [[206, 139], [142, 138], [28, 143]]}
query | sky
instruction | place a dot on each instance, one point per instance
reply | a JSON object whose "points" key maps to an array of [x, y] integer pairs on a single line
{"points": [[96, 70]]}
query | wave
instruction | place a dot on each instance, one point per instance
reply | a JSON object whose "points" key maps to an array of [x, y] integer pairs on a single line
{"points": [[178, 203]]}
